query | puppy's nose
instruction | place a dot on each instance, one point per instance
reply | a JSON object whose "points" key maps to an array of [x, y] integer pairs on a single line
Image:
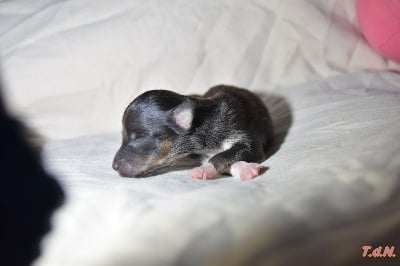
{"points": [[124, 168], [115, 165]]}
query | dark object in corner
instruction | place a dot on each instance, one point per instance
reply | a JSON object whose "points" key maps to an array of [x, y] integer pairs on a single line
{"points": [[28, 195]]}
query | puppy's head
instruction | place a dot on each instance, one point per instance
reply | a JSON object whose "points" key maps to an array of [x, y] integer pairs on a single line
{"points": [[151, 125]]}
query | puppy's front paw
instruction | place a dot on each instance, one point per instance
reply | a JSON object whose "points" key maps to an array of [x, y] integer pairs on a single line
{"points": [[206, 171], [245, 170]]}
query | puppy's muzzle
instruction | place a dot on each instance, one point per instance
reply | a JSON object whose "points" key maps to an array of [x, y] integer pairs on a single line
{"points": [[125, 168]]}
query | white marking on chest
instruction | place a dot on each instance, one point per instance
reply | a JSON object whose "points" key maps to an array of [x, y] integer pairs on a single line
{"points": [[225, 145]]}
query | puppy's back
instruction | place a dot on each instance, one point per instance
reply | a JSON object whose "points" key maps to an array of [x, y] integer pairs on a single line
{"points": [[255, 115]]}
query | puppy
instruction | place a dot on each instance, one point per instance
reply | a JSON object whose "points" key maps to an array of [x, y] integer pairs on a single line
{"points": [[226, 131]]}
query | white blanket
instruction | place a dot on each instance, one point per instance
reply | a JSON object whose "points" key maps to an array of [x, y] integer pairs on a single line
{"points": [[71, 67]]}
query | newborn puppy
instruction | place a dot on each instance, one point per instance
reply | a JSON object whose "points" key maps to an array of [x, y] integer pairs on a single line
{"points": [[226, 131]]}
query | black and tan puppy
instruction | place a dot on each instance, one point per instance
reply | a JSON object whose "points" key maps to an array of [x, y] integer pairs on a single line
{"points": [[226, 131]]}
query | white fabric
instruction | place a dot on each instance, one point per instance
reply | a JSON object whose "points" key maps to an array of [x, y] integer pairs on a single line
{"points": [[334, 184], [71, 67]]}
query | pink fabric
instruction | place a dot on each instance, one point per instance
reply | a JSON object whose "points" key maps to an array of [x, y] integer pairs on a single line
{"points": [[380, 23]]}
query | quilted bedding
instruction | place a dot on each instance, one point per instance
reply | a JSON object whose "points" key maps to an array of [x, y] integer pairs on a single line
{"points": [[333, 180]]}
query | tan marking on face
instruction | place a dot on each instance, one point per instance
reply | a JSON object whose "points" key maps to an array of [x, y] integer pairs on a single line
{"points": [[155, 162], [165, 149]]}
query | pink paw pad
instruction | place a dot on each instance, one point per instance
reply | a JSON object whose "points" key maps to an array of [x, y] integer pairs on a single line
{"points": [[245, 170], [206, 171]]}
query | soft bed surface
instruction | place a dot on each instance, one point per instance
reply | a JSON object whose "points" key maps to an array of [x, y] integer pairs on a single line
{"points": [[332, 186], [71, 67]]}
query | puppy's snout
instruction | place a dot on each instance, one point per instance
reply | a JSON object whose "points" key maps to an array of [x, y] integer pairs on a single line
{"points": [[115, 165], [124, 168]]}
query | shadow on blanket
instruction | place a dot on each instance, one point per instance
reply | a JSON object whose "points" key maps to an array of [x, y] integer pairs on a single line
{"points": [[28, 195], [281, 114]]}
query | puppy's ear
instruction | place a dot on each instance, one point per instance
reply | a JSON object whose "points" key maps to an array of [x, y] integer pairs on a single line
{"points": [[182, 115]]}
